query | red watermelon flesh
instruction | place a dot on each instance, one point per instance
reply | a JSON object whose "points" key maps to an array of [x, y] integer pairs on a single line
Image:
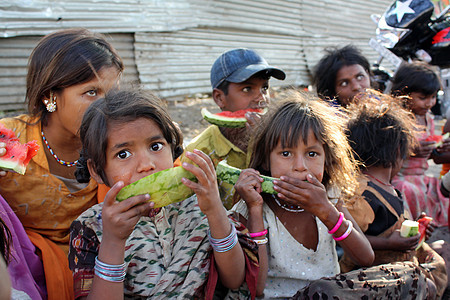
{"points": [[238, 114], [423, 224], [17, 155]]}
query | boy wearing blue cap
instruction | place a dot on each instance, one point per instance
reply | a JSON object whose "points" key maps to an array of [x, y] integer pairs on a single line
{"points": [[240, 80]]}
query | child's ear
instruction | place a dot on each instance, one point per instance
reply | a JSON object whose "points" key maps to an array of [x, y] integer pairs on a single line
{"points": [[94, 174], [219, 98]]}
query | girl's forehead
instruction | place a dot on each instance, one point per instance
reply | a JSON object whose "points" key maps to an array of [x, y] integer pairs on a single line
{"points": [[293, 138]]}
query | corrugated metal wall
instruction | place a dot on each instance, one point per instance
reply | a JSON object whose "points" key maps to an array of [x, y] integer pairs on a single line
{"points": [[14, 53], [175, 42]]}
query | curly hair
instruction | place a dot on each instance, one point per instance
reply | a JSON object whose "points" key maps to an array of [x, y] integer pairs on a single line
{"points": [[380, 130]]}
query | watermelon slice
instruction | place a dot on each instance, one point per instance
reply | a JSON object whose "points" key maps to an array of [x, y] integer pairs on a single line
{"points": [[409, 228], [17, 155], [438, 139], [231, 174], [423, 224], [228, 118], [164, 187]]}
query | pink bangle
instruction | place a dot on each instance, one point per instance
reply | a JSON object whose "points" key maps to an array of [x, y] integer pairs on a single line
{"points": [[346, 233], [338, 224], [258, 234]]}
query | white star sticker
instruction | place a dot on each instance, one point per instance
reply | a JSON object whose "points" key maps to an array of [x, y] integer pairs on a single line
{"points": [[402, 8]]}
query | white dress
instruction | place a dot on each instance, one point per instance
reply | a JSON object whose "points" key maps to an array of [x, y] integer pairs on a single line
{"points": [[291, 265]]}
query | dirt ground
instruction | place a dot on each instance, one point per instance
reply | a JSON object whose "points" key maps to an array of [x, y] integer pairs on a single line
{"points": [[187, 114]]}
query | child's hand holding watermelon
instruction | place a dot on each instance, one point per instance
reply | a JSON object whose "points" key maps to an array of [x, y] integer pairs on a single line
{"points": [[438, 139]]}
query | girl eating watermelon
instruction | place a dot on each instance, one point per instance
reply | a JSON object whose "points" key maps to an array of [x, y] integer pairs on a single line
{"points": [[129, 247], [380, 211], [67, 70], [419, 82]]}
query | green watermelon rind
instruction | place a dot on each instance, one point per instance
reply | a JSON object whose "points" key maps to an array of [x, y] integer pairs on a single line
{"points": [[231, 174], [164, 187], [10, 165], [223, 121], [409, 228]]}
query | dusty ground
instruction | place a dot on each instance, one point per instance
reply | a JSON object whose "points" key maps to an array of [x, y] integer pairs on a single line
{"points": [[187, 114]]}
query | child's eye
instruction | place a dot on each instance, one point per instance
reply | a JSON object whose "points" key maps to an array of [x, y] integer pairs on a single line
{"points": [[343, 83], [246, 89], [285, 153], [123, 154], [92, 93], [312, 154], [156, 146], [360, 77]]}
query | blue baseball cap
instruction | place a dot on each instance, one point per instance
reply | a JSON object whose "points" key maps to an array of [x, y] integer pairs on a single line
{"points": [[240, 64]]}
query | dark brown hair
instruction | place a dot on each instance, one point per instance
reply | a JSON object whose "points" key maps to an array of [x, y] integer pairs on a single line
{"points": [[415, 77], [325, 72], [5, 241], [292, 119], [380, 130], [121, 106], [65, 58]]}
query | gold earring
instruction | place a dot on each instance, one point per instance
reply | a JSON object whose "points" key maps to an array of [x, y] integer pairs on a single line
{"points": [[51, 104]]}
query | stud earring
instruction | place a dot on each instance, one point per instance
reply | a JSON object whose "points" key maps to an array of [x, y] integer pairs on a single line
{"points": [[51, 104]]}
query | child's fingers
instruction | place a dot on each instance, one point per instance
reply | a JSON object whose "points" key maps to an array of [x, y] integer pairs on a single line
{"points": [[2, 149], [207, 160], [110, 197], [204, 167]]}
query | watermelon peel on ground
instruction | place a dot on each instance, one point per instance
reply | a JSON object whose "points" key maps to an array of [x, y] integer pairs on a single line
{"points": [[231, 174], [17, 155], [164, 187], [230, 119]]}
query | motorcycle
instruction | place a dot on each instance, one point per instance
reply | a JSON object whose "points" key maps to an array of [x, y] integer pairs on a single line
{"points": [[410, 30]]}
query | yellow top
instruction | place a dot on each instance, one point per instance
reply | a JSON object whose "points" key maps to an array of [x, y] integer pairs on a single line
{"points": [[213, 143], [40, 200]]}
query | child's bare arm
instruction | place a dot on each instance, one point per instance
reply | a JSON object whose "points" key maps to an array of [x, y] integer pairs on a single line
{"points": [[248, 187], [230, 264], [394, 242], [119, 220]]}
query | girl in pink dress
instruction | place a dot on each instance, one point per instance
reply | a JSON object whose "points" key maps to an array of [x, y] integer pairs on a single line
{"points": [[422, 193]]}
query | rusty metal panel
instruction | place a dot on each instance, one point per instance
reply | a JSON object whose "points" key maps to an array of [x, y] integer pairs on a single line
{"points": [[14, 53], [186, 70], [43, 16], [177, 41]]}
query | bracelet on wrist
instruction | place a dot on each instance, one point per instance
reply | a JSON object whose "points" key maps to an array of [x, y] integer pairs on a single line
{"points": [[225, 244], [262, 241], [258, 234], [346, 233], [338, 223], [108, 272]]}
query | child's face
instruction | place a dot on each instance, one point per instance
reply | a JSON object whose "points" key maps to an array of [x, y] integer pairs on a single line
{"points": [[73, 101], [299, 161], [420, 103], [135, 149], [252, 93], [350, 80]]}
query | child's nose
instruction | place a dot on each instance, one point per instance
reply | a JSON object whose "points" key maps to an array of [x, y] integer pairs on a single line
{"points": [[262, 98], [356, 85], [145, 164], [299, 164]]}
